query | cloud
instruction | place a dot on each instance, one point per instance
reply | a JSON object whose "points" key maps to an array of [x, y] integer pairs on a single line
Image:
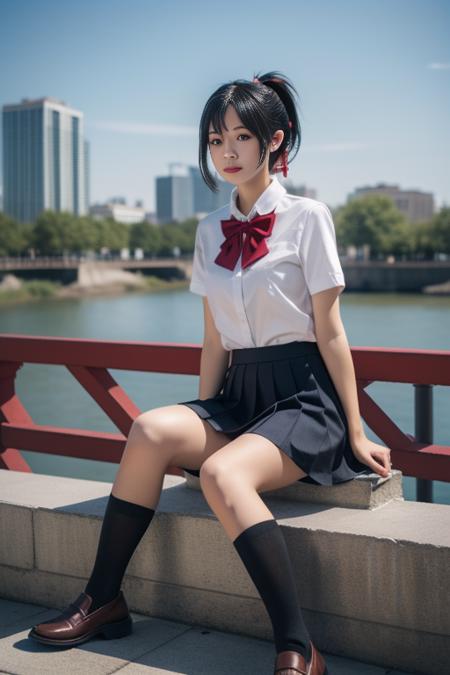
{"points": [[180, 130], [145, 129], [435, 65], [337, 147]]}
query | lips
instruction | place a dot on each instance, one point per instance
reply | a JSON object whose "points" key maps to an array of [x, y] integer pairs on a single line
{"points": [[232, 169]]}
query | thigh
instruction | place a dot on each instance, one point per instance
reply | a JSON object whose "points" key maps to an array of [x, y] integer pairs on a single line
{"points": [[179, 434], [255, 460]]}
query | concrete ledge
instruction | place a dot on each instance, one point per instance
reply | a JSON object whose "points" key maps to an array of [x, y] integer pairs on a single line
{"points": [[373, 583], [364, 492]]}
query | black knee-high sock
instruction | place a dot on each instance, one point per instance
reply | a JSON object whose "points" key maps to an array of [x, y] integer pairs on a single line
{"points": [[123, 526], [263, 550]]}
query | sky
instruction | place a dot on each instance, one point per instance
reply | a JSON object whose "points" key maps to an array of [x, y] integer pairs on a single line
{"points": [[373, 78]]}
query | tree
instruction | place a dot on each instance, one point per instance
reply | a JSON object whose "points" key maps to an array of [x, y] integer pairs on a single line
{"points": [[15, 237], [373, 220], [117, 235], [146, 236], [440, 231], [51, 234]]}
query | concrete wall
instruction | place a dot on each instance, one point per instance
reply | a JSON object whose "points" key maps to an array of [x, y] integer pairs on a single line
{"points": [[397, 277], [373, 579]]}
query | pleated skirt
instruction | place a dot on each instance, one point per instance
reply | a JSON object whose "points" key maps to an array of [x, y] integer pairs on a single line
{"points": [[284, 392]]}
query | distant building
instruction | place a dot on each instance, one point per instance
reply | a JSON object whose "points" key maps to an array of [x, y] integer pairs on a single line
{"points": [[415, 205], [87, 175], [205, 200], [118, 211], [300, 190], [151, 217], [174, 198], [183, 194], [45, 159]]}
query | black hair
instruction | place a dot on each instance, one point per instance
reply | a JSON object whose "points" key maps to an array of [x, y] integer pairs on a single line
{"points": [[264, 105]]}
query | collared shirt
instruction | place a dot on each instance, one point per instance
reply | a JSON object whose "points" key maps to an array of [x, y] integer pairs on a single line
{"points": [[269, 302]]}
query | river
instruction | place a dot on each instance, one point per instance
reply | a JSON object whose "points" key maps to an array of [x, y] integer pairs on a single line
{"points": [[52, 396]]}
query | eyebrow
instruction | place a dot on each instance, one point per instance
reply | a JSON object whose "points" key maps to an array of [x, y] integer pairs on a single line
{"points": [[234, 129]]}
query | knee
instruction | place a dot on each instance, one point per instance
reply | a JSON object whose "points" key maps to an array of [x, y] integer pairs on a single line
{"points": [[213, 474], [153, 425]]}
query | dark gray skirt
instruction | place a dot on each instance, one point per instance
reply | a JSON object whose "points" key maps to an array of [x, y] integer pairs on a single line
{"points": [[285, 393]]}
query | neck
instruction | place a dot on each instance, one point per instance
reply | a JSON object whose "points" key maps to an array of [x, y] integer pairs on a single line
{"points": [[249, 192]]}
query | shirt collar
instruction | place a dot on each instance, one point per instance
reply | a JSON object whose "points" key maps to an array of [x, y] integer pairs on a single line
{"points": [[265, 203]]}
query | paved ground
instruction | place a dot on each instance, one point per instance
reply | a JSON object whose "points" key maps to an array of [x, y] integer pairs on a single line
{"points": [[156, 647]]}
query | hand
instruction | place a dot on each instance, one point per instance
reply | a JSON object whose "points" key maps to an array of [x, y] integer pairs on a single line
{"points": [[374, 455]]}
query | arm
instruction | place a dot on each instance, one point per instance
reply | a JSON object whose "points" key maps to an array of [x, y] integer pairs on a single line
{"points": [[335, 350], [214, 358]]}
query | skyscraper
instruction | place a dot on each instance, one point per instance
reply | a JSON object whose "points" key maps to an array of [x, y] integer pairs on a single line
{"points": [[45, 159], [205, 200], [183, 194]]}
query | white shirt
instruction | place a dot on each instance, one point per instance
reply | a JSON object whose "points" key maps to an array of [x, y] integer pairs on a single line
{"points": [[269, 302]]}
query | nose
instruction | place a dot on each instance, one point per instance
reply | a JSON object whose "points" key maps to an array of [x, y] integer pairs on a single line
{"points": [[228, 151]]}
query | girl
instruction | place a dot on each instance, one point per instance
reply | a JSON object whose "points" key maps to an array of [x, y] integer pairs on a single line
{"points": [[277, 393]]}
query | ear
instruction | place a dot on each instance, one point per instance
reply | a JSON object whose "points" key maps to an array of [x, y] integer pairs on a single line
{"points": [[277, 140]]}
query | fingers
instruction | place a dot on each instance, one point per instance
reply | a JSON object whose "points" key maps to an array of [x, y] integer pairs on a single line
{"points": [[380, 468], [387, 463], [384, 465]]}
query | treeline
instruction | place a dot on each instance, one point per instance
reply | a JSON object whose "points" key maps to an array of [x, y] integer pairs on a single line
{"points": [[375, 221], [62, 233], [372, 221]]}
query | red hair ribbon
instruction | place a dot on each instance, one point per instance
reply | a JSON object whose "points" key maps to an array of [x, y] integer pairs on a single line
{"points": [[282, 162]]}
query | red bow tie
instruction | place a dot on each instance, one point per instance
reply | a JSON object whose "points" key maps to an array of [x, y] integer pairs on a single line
{"points": [[254, 246]]}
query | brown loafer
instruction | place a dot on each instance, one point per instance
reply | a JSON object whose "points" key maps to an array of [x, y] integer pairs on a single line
{"points": [[75, 625], [293, 663]]}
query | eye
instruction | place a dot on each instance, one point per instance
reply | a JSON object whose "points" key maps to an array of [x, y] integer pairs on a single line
{"points": [[212, 141]]}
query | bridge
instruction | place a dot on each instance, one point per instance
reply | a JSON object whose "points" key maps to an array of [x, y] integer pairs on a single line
{"points": [[70, 268], [372, 568], [15, 264], [379, 276]]}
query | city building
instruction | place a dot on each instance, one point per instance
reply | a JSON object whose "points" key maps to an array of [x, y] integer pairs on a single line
{"points": [[299, 190], [183, 194], [174, 197], [117, 209], [205, 200], [45, 159], [151, 217], [416, 206]]}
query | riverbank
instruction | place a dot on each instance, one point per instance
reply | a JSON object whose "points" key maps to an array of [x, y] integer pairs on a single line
{"points": [[15, 291]]}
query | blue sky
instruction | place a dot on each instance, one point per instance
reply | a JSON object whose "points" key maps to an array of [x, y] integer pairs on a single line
{"points": [[373, 78]]}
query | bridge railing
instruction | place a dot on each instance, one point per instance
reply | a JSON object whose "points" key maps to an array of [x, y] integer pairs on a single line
{"points": [[37, 262], [89, 361]]}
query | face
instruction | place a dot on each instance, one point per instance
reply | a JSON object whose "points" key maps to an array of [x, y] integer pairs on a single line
{"points": [[236, 146]]}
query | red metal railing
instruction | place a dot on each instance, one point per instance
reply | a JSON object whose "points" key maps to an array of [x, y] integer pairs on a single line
{"points": [[89, 362]]}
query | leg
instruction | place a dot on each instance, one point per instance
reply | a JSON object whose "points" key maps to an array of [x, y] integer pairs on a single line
{"points": [[170, 435], [230, 480]]}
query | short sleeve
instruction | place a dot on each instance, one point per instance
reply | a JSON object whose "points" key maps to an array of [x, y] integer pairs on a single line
{"points": [[318, 251], [198, 275]]}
